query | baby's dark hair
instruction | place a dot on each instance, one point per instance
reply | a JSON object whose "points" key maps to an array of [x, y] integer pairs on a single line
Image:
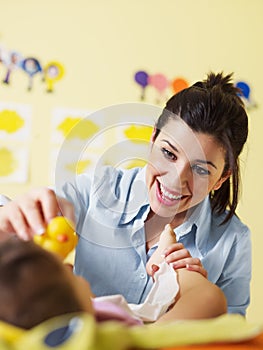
{"points": [[213, 106], [33, 287]]}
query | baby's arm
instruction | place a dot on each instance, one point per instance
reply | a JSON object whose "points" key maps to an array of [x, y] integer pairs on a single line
{"points": [[167, 238]]}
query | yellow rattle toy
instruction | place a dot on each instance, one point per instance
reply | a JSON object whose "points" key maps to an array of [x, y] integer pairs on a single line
{"points": [[59, 237]]}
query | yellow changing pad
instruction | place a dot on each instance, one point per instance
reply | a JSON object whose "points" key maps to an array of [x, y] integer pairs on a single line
{"points": [[81, 332]]}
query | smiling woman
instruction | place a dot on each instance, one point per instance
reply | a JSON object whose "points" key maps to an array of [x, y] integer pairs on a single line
{"points": [[190, 182], [213, 108]]}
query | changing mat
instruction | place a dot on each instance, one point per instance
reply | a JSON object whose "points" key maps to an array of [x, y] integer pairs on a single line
{"points": [[80, 331]]}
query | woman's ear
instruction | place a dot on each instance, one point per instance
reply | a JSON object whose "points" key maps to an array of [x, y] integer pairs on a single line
{"points": [[222, 179]]}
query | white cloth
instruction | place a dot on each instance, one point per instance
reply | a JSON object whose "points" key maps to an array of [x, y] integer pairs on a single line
{"points": [[160, 297]]}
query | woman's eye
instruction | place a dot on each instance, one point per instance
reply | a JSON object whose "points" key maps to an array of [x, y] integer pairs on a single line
{"points": [[169, 155], [200, 171]]}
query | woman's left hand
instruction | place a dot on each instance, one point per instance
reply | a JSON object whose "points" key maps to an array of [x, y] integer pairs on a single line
{"points": [[179, 257]]}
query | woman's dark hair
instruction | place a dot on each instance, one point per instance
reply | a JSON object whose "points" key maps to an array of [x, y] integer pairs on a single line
{"points": [[213, 107], [33, 286]]}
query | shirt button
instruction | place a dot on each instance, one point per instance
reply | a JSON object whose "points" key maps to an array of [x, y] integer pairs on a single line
{"points": [[138, 241], [142, 275]]}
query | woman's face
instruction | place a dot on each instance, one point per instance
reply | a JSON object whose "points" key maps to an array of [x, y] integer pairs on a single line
{"points": [[184, 166]]}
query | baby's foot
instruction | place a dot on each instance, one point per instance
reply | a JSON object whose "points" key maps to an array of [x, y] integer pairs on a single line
{"points": [[167, 238]]}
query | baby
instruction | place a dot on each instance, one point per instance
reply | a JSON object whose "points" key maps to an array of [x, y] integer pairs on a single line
{"points": [[35, 285]]}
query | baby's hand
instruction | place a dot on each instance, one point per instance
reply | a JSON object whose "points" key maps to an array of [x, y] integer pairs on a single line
{"points": [[167, 238]]}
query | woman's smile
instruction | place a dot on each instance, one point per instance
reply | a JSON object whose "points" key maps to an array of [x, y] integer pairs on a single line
{"points": [[166, 196], [183, 168]]}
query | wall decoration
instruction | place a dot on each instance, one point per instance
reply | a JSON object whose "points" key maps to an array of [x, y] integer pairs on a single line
{"points": [[15, 132], [15, 122], [73, 130], [179, 84], [141, 78], [68, 127], [73, 163], [118, 135], [65, 123], [53, 71], [132, 144], [245, 94], [132, 129], [31, 66], [12, 61], [160, 83], [138, 133], [13, 164]]}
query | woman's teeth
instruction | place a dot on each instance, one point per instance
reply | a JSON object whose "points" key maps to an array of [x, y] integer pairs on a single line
{"points": [[168, 194]]}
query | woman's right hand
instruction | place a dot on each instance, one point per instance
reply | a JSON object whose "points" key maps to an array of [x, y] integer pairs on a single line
{"points": [[30, 213]]}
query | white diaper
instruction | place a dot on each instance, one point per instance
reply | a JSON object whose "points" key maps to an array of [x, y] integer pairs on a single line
{"points": [[160, 297]]}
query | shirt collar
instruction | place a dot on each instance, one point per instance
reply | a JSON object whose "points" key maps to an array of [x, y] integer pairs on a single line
{"points": [[201, 218], [138, 195]]}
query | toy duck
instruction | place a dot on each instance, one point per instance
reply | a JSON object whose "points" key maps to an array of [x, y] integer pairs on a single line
{"points": [[59, 237]]}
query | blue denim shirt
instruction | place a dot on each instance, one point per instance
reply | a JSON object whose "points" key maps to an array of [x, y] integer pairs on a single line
{"points": [[110, 212]]}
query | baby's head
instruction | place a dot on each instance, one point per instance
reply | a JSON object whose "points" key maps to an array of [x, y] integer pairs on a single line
{"points": [[35, 285]]}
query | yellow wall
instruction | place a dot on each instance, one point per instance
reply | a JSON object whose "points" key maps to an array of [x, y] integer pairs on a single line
{"points": [[103, 43]]}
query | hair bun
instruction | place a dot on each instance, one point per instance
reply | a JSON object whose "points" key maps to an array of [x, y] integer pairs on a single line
{"points": [[217, 81]]}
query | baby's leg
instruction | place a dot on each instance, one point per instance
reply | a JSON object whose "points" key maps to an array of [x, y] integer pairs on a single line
{"points": [[167, 238], [198, 298]]}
